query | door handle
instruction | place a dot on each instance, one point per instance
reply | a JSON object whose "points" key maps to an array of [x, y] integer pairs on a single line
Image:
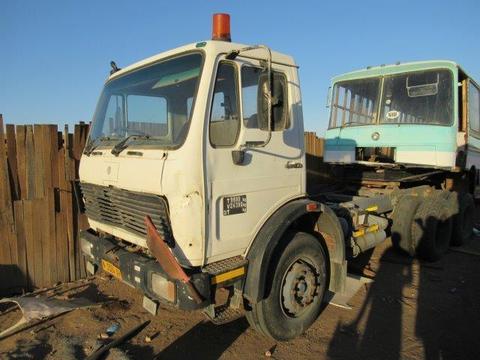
{"points": [[293, 165]]}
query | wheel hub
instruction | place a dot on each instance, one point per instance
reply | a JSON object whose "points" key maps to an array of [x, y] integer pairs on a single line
{"points": [[299, 288]]}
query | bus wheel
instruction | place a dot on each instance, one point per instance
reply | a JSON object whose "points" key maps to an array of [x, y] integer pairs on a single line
{"points": [[463, 219], [402, 219], [296, 290], [432, 228]]}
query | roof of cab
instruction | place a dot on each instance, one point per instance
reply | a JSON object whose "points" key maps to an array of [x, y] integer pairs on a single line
{"points": [[210, 46], [373, 71]]}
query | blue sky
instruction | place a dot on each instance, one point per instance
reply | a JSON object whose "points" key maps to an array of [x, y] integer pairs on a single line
{"points": [[54, 55]]}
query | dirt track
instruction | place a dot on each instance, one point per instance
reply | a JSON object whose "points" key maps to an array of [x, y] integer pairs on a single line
{"points": [[412, 310]]}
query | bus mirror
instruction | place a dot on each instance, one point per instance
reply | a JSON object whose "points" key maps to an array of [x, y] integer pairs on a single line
{"points": [[329, 97]]}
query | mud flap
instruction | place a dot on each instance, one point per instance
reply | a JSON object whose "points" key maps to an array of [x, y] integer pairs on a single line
{"points": [[167, 261]]}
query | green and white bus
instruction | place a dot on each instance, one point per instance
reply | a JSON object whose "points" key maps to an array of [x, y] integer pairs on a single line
{"points": [[420, 117]]}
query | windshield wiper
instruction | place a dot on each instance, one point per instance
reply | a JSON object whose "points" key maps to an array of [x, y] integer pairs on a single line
{"points": [[354, 122], [94, 144], [123, 144]]}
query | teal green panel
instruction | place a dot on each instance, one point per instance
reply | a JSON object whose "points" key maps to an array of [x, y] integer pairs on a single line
{"points": [[415, 137]]}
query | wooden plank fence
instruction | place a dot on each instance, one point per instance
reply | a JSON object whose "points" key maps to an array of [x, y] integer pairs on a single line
{"points": [[314, 145], [39, 220]]}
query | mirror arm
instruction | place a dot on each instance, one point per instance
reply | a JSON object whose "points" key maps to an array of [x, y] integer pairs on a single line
{"points": [[232, 55]]}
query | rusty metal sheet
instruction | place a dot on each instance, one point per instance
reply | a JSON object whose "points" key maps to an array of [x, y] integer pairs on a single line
{"points": [[167, 261]]}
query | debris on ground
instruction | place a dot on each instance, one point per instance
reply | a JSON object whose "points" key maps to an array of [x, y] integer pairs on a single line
{"points": [[103, 349], [112, 329], [42, 309], [270, 351]]}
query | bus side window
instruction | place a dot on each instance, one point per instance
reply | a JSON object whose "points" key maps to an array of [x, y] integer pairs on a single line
{"points": [[474, 109]]}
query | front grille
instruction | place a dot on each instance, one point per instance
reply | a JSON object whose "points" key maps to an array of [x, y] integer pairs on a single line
{"points": [[126, 209]]}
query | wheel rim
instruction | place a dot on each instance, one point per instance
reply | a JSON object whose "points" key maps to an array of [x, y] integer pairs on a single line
{"points": [[299, 288]]}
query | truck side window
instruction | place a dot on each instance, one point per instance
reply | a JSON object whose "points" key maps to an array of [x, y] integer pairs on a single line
{"points": [[474, 109], [250, 77], [224, 117]]}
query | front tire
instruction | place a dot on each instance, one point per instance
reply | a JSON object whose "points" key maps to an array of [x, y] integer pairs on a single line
{"points": [[296, 290]]}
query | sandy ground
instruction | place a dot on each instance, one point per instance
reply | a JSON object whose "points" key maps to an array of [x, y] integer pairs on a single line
{"points": [[413, 310]]}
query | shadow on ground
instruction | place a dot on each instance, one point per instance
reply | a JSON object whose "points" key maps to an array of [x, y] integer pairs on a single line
{"points": [[204, 341]]}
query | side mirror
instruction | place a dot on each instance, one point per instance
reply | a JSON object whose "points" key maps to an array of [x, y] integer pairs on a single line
{"points": [[238, 157], [279, 102], [329, 97]]}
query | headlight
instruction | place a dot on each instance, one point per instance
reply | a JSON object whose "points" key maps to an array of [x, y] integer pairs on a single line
{"points": [[163, 288]]}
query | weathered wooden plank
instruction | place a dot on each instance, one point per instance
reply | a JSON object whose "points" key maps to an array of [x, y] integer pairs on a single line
{"points": [[39, 145], [62, 239], [50, 145], [21, 160], [8, 250], [50, 240], [67, 200], [12, 160], [28, 226], [30, 172], [21, 243], [5, 191], [38, 215], [80, 137], [61, 215]]}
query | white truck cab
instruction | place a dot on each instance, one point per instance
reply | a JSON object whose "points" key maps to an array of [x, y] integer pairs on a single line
{"points": [[186, 111]]}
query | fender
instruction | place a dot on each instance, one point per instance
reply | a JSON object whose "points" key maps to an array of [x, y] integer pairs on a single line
{"points": [[262, 250]]}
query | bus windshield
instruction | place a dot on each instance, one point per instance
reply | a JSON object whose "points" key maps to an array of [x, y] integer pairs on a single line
{"points": [[424, 97], [418, 98], [154, 102], [355, 102]]}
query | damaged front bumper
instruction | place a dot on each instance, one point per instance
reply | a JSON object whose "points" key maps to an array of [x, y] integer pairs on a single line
{"points": [[144, 273]]}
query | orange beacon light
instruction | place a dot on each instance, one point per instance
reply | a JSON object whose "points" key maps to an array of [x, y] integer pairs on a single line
{"points": [[221, 27]]}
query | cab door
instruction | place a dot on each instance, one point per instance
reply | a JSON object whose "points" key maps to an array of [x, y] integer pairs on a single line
{"points": [[242, 196]]}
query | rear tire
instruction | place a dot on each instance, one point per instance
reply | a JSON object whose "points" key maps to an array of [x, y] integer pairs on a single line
{"points": [[296, 290], [432, 228], [402, 218]]}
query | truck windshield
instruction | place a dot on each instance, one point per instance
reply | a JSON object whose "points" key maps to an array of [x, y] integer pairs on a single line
{"points": [[418, 98], [154, 102]]}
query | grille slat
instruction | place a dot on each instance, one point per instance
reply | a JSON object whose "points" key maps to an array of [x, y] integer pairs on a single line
{"points": [[126, 209]]}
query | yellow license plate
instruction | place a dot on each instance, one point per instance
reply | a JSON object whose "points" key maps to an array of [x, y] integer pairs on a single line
{"points": [[111, 269]]}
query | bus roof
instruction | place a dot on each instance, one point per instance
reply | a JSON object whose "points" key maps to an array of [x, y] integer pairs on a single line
{"points": [[381, 70]]}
